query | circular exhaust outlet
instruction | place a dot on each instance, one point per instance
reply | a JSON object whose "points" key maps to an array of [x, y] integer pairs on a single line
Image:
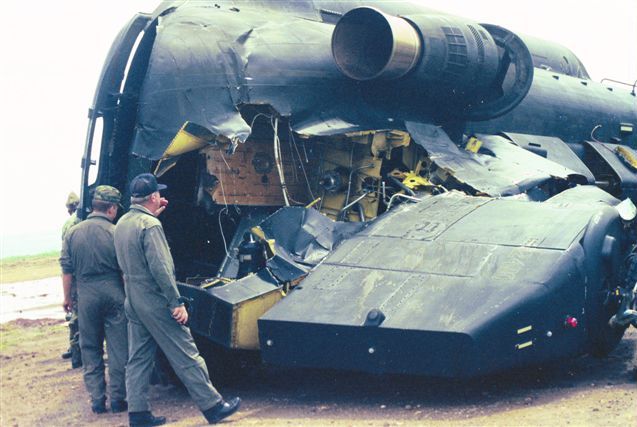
{"points": [[368, 44]]}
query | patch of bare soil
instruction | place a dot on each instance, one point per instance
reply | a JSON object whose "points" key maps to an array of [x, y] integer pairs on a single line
{"points": [[32, 323], [39, 389]]}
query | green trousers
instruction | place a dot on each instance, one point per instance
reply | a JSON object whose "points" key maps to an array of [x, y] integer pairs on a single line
{"points": [[148, 328], [101, 315]]}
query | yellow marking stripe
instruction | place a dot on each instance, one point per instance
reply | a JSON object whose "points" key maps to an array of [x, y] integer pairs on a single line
{"points": [[524, 345], [525, 329]]}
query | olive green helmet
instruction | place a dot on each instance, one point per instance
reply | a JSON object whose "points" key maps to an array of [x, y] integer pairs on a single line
{"points": [[72, 200]]}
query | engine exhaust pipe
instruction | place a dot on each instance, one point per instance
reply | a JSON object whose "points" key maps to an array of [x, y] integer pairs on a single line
{"points": [[475, 71], [368, 44]]}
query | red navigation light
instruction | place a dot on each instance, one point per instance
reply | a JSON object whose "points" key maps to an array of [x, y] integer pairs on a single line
{"points": [[570, 322]]}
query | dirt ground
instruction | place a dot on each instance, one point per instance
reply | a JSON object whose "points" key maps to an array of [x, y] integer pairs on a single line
{"points": [[39, 389]]}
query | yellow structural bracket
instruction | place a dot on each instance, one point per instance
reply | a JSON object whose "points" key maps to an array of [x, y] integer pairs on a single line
{"points": [[473, 145], [189, 138], [627, 157], [269, 243], [216, 281], [414, 181], [318, 199]]}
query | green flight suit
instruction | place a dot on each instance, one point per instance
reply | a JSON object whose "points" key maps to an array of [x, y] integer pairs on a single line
{"points": [[151, 295], [88, 253], [74, 324], [73, 220]]}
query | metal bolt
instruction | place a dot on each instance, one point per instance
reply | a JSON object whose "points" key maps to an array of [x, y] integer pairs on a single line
{"points": [[371, 350], [269, 343], [549, 334]]}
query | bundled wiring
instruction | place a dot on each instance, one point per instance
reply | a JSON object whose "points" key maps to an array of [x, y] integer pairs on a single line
{"points": [[277, 160]]}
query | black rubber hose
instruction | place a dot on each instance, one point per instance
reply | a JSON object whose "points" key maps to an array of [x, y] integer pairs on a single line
{"points": [[401, 185]]}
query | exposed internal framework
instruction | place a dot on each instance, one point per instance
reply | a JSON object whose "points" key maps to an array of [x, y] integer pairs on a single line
{"points": [[341, 175], [349, 177]]}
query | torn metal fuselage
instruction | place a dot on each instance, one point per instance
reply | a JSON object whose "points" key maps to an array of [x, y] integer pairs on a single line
{"points": [[341, 197]]}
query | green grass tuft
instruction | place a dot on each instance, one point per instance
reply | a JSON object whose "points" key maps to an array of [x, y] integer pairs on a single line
{"points": [[18, 258], [30, 267]]}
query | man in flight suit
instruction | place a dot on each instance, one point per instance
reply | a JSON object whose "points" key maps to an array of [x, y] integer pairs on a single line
{"points": [[72, 201], [73, 352], [88, 258], [155, 314]]}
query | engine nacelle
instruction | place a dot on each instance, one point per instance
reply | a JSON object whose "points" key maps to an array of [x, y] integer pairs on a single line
{"points": [[482, 71]]}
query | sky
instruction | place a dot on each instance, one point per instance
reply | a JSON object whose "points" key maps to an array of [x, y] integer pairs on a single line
{"points": [[53, 51]]}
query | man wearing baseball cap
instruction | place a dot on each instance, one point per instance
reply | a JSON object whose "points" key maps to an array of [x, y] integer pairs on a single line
{"points": [[155, 314], [88, 257]]}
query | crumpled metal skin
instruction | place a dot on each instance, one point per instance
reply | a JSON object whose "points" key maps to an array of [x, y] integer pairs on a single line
{"points": [[209, 60]]}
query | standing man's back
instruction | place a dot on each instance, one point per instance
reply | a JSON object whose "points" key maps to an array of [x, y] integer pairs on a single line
{"points": [[145, 259], [88, 259], [156, 317]]}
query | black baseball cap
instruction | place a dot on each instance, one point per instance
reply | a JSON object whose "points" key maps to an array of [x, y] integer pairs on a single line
{"points": [[144, 184]]}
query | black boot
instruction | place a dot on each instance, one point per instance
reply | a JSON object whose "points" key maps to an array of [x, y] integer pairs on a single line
{"points": [[98, 406], [144, 419], [222, 410], [67, 354], [76, 357], [119, 406]]}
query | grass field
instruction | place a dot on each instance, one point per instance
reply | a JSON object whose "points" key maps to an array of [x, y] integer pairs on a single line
{"points": [[32, 267], [17, 332]]}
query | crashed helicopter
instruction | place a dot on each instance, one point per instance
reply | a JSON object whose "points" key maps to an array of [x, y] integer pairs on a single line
{"points": [[376, 186]]}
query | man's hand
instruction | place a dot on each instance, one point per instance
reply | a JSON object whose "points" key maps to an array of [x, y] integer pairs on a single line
{"points": [[180, 315], [162, 206], [67, 282]]}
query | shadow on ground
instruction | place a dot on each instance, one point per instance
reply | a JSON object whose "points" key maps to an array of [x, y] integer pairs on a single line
{"points": [[344, 393]]}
